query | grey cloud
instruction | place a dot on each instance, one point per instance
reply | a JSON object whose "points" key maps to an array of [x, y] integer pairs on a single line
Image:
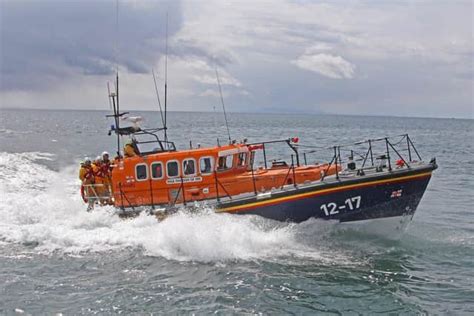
{"points": [[45, 41], [191, 48]]}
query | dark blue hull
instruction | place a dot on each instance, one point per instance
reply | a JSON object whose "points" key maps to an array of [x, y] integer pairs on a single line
{"points": [[389, 194]]}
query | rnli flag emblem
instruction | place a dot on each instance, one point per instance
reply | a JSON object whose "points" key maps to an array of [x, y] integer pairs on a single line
{"points": [[396, 193]]}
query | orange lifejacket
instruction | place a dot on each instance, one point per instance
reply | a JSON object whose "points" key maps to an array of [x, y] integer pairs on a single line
{"points": [[86, 174], [99, 179], [105, 169], [97, 170]]}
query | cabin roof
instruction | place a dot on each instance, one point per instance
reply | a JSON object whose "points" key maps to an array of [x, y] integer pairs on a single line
{"points": [[186, 153]]}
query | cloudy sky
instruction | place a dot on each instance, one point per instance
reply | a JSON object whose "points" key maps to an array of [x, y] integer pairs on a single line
{"points": [[409, 58]]}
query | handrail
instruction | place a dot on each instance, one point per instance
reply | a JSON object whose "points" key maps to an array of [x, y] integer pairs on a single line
{"points": [[122, 194], [393, 147]]}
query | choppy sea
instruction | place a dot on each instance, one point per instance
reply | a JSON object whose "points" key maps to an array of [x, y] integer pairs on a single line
{"points": [[57, 258]]}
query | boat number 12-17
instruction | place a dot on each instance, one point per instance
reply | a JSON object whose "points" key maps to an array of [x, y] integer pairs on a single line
{"points": [[350, 204]]}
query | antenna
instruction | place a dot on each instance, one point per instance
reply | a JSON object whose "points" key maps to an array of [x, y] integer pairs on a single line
{"points": [[117, 111], [116, 34], [223, 105], [108, 89], [215, 120], [158, 97], [166, 78], [114, 100]]}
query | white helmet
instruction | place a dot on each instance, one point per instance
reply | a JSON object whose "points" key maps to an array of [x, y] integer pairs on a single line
{"points": [[105, 153], [87, 160], [98, 158]]}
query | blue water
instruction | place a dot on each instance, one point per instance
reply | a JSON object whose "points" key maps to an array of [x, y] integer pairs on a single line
{"points": [[56, 258]]}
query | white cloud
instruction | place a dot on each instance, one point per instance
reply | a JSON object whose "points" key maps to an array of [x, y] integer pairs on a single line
{"points": [[224, 80], [210, 93], [327, 65]]}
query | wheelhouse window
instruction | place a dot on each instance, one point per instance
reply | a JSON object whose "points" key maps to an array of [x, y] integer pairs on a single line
{"points": [[252, 159], [224, 162], [156, 170], [205, 165], [189, 167], [141, 172], [241, 159], [172, 169]]}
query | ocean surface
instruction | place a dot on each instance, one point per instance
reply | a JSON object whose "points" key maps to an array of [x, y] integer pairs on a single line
{"points": [[57, 258]]}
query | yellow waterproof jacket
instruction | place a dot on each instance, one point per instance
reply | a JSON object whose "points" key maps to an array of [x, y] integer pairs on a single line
{"points": [[97, 173], [86, 173], [129, 151]]}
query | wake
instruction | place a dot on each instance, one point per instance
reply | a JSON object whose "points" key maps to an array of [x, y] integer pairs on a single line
{"points": [[43, 207]]}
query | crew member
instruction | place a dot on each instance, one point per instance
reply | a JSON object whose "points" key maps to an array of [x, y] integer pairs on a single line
{"points": [[86, 175], [129, 150], [99, 178], [105, 169]]}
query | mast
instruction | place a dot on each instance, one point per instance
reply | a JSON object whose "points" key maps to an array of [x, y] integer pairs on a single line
{"points": [[158, 97], [166, 78], [117, 114], [117, 120], [113, 101], [114, 96], [223, 106]]}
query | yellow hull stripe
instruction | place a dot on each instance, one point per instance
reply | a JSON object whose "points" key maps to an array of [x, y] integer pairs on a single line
{"points": [[307, 194]]}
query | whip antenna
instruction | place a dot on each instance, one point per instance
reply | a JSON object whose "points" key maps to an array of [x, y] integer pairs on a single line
{"points": [[158, 97], [117, 112], [108, 89], [223, 105], [166, 77]]}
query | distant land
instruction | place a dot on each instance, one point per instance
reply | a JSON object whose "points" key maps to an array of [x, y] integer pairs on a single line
{"points": [[259, 112]]}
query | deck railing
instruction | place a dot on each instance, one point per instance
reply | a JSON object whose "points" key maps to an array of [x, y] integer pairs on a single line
{"points": [[366, 152]]}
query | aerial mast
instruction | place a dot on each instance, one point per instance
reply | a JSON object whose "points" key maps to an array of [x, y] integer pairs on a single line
{"points": [[117, 120], [158, 97], [114, 96], [166, 78], [223, 105]]}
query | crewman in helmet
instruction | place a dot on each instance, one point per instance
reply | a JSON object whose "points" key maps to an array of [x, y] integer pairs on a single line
{"points": [[106, 168], [86, 175], [99, 177]]}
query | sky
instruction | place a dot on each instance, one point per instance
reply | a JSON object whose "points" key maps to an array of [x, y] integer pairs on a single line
{"points": [[404, 58]]}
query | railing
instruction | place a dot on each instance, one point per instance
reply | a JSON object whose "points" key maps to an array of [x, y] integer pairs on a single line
{"points": [[366, 150], [164, 145]]}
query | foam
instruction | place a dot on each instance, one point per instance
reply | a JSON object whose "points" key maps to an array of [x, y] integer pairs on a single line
{"points": [[43, 208]]}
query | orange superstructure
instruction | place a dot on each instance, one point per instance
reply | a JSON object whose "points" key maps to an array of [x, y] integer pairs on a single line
{"points": [[174, 177], [149, 171]]}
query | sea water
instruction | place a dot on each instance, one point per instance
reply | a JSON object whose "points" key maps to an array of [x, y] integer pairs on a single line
{"points": [[57, 258]]}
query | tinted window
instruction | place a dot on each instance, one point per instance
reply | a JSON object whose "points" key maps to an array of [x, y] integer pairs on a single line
{"points": [[225, 162], [241, 159], [205, 164], [156, 170], [189, 167], [141, 172], [173, 169]]}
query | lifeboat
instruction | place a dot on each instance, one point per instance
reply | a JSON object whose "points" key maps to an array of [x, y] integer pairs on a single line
{"points": [[369, 180]]}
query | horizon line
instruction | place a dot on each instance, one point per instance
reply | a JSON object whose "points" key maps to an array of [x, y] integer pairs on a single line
{"points": [[237, 112]]}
